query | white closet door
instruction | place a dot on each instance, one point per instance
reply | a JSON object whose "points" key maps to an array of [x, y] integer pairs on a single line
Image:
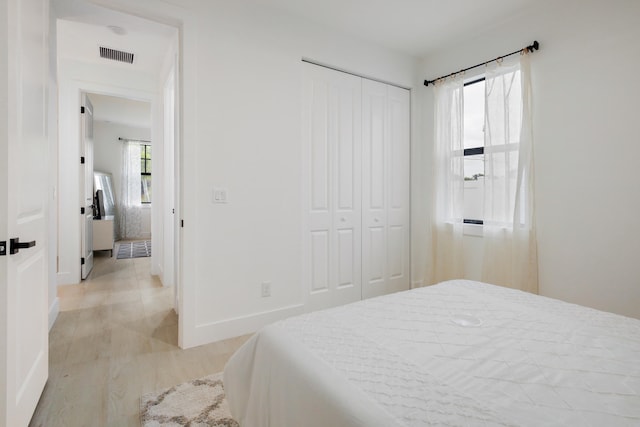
{"points": [[385, 189], [332, 183]]}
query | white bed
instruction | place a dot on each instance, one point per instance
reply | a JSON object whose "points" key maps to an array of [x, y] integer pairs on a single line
{"points": [[457, 353]]}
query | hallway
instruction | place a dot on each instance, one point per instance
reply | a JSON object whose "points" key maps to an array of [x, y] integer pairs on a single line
{"points": [[115, 339]]}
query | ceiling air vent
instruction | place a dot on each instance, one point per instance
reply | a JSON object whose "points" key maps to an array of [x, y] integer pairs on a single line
{"points": [[116, 55]]}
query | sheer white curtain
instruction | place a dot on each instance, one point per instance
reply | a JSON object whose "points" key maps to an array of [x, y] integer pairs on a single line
{"points": [[447, 225], [510, 249], [131, 206]]}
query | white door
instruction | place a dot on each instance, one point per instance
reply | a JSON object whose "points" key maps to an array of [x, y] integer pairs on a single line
{"points": [[24, 166], [86, 189], [169, 185], [385, 189], [332, 182]]}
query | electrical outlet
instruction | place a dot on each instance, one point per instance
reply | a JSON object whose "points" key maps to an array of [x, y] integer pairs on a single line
{"points": [[266, 289]]}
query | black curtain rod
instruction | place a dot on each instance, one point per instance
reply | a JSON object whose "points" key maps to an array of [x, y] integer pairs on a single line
{"points": [[132, 140], [533, 46]]}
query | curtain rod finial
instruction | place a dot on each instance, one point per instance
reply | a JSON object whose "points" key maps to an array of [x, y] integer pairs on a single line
{"points": [[534, 46]]}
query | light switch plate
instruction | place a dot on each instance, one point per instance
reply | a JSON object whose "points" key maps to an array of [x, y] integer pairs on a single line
{"points": [[220, 195], [266, 289]]}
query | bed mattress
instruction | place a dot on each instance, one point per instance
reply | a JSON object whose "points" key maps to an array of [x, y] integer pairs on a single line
{"points": [[456, 353]]}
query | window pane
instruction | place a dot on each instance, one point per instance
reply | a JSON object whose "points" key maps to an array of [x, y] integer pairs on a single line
{"points": [[474, 100], [145, 162], [473, 187], [145, 189], [515, 109], [474, 115]]}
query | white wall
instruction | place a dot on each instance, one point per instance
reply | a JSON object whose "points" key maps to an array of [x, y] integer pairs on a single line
{"points": [[249, 129], [241, 86], [107, 151], [585, 95], [249, 142]]}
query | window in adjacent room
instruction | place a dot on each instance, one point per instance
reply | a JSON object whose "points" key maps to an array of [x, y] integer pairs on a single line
{"points": [[474, 101], [145, 172]]}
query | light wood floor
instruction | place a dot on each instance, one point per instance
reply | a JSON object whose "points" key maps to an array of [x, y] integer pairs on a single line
{"points": [[115, 339]]}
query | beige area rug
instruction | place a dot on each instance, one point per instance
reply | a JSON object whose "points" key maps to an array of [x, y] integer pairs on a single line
{"points": [[200, 402]]}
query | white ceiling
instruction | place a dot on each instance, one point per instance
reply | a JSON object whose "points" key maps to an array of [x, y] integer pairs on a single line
{"points": [[121, 110], [416, 27]]}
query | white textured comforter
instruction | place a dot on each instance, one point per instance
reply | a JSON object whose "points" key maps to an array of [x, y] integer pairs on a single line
{"points": [[419, 358]]}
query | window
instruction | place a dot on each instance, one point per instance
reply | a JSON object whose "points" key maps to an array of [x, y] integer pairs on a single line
{"points": [[145, 172], [474, 102]]}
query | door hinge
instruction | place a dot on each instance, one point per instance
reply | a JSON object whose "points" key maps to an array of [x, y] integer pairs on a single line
{"points": [[82, 211], [3, 248], [182, 223], [81, 261], [82, 110], [82, 160]]}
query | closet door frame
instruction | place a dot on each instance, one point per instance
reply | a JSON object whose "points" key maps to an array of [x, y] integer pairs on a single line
{"points": [[330, 231]]}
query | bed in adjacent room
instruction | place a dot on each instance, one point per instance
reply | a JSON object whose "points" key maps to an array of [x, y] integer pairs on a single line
{"points": [[456, 353]]}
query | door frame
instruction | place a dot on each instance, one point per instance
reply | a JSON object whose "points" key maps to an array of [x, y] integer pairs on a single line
{"points": [[186, 22], [169, 224], [86, 200], [312, 69], [69, 170]]}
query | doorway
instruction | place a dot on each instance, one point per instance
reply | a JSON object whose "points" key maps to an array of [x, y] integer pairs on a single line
{"points": [[84, 67], [121, 179]]}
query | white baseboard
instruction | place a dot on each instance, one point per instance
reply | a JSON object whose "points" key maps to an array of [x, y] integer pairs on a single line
{"points": [[53, 312], [157, 270], [229, 328], [66, 278]]}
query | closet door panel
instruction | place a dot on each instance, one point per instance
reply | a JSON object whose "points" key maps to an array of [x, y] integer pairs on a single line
{"points": [[332, 152], [399, 123], [347, 189], [346, 259], [385, 264], [397, 254], [399, 209], [374, 188], [374, 144], [319, 159], [346, 142], [318, 203], [346, 180], [375, 255], [319, 261]]}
